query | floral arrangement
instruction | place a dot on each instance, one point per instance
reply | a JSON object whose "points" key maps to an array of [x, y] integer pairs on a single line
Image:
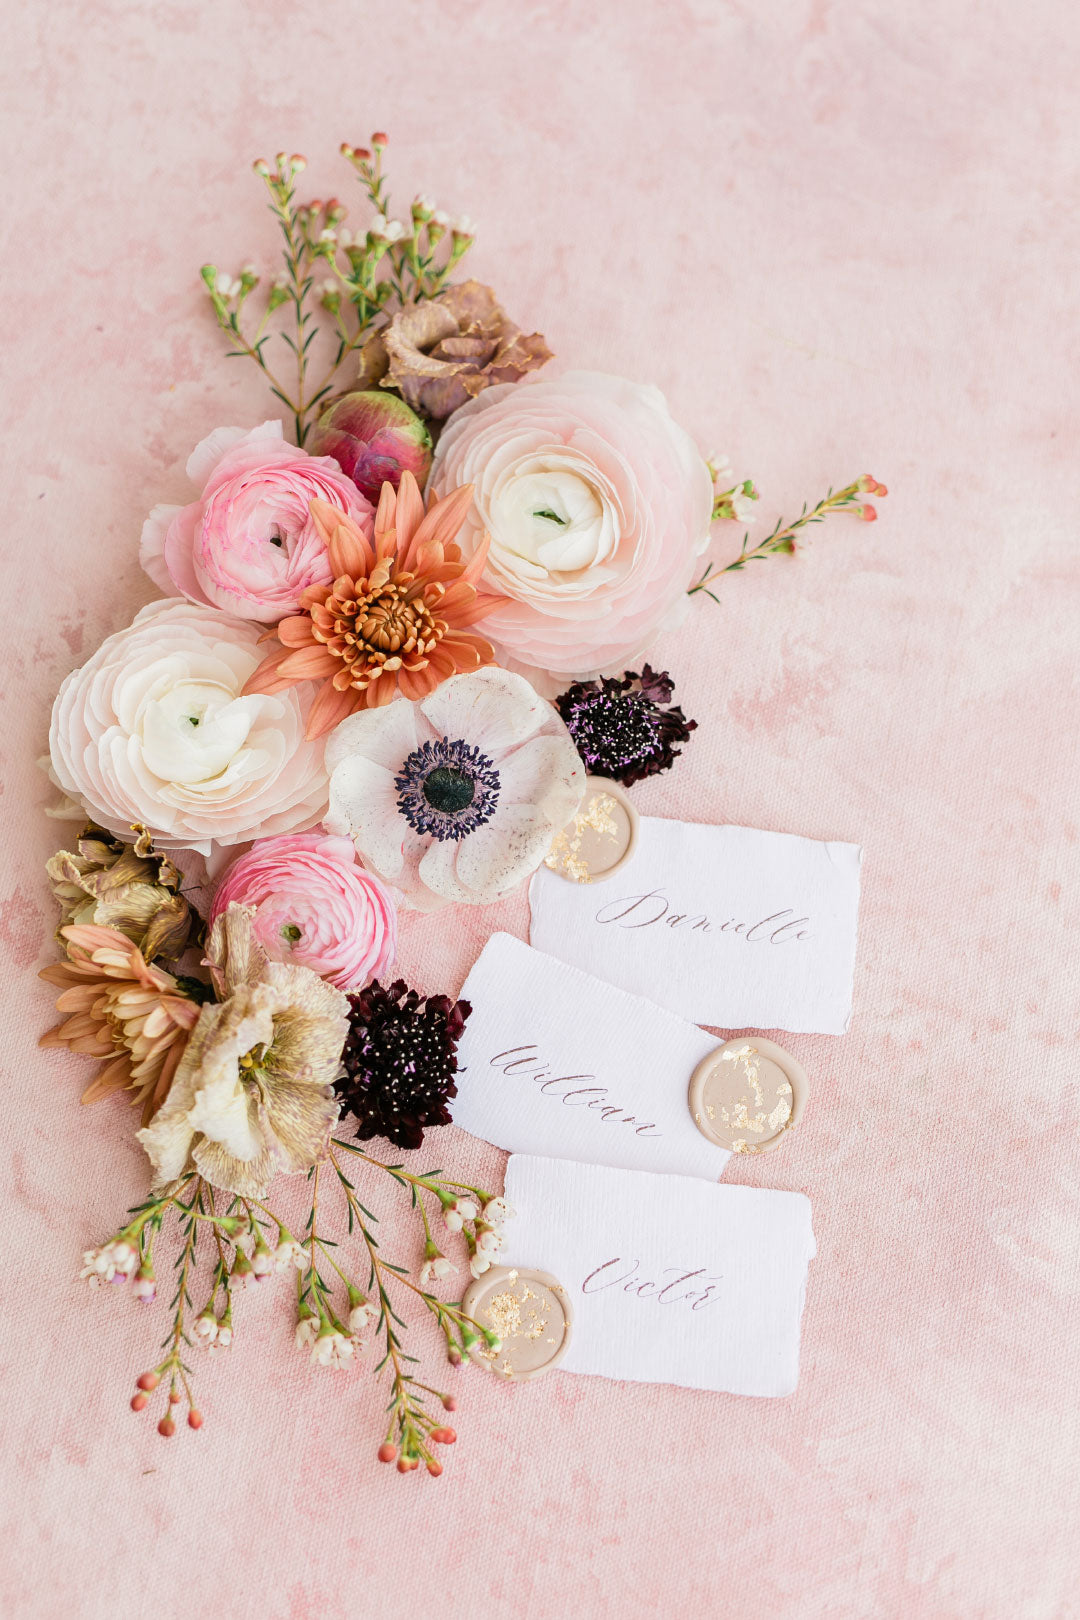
{"points": [[385, 657]]}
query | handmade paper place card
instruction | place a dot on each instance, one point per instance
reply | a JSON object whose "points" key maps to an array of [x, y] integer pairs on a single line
{"points": [[554, 1061], [671, 1280], [723, 925]]}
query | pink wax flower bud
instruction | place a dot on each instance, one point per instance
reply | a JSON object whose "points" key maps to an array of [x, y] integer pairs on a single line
{"points": [[374, 437]]}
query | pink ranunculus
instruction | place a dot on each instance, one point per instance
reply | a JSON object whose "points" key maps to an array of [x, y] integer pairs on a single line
{"points": [[598, 506], [248, 544], [315, 906]]}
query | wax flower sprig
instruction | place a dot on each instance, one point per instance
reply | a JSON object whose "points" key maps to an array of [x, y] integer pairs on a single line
{"points": [[251, 1242], [783, 537], [367, 273]]}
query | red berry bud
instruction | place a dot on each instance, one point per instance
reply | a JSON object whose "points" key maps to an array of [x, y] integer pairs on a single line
{"points": [[868, 514], [147, 1381], [387, 1452], [404, 1465], [449, 1403], [174, 1397], [379, 139], [138, 1402], [167, 1427], [434, 1468], [444, 1437], [881, 490], [194, 1418]]}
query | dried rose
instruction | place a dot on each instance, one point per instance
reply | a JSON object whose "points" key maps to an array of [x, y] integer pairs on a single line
{"points": [[374, 437], [444, 351], [125, 886]]}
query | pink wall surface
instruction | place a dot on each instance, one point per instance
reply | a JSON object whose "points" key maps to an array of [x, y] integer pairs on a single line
{"points": [[842, 238]]}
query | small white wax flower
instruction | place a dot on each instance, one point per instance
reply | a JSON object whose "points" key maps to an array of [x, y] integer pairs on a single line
{"points": [[395, 230], [423, 203], [307, 1330], [489, 1241], [452, 1220], [441, 217], [332, 1349], [467, 1209], [378, 227], [744, 508], [361, 1315], [262, 1263], [205, 1329], [288, 1253], [223, 1337], [327, 235], [480, 1263], [496, 1211], [463, 226]]}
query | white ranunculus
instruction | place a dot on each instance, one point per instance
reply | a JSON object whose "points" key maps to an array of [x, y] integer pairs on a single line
{"points": [[598, 505], [153, 729]]}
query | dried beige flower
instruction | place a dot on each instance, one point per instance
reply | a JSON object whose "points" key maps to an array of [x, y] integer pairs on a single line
{"points": [[252, 1094], [125, 886], [443, 351]]}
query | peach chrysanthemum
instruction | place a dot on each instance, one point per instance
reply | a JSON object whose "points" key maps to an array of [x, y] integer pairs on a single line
{"points": [[121, 1008], [395, 617]]}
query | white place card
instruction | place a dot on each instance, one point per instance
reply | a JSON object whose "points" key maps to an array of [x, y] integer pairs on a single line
{"points": [[723, 925], [553, 1061], [672, 1280]]}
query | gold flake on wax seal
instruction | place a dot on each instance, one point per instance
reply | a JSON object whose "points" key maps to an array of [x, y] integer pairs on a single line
{"points": [[600, 838], [530, 1312], [747, 1094]]}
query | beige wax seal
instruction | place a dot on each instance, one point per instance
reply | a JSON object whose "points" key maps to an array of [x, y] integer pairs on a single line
{"points": [[530, 1312], [601, 837], [747, 1094]]}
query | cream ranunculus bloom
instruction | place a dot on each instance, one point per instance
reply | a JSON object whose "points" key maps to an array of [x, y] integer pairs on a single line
{"points": [[153, 729], [598, 505], [253, 1092]]}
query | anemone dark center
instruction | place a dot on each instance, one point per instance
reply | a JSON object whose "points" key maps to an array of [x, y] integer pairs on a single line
{"points": [[449, 789], [446, 789]]}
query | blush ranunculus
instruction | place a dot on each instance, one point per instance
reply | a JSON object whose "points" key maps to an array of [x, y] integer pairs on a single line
{"points": [[248, 544], [598, 505], [314, 905], [153, 729]]}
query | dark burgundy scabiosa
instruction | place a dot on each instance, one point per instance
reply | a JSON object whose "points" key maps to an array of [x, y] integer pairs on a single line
{"points": [[400, 1058], [625, 728]]}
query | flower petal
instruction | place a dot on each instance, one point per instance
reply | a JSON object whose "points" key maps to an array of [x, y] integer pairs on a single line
{"points": [[364, 807], [489, 708]]}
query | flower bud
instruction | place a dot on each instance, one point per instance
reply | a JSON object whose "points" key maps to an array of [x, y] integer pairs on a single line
{"points": [[379, 140], [144, 1287], [386, 1452], [434, 1467], [138, 1402], [167, 1428], [374, 437], [148, 1380], [241, 1270], [195, 1418], [443, 1437]]}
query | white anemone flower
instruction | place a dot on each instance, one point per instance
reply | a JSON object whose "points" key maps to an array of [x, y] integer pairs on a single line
{"points": [[456, 797]]}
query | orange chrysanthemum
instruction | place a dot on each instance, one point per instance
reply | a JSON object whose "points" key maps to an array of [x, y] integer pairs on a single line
{"points": [[122, 1008], [395, 617]]}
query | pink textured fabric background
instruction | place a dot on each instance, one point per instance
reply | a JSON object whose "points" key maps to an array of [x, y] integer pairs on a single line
{"points": [[841, 238]]}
